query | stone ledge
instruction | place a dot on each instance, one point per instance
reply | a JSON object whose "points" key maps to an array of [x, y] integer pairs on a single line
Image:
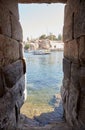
{"points": [[55, 126]]}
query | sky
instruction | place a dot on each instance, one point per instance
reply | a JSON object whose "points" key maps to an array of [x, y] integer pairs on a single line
{"points": [[38, 19]]}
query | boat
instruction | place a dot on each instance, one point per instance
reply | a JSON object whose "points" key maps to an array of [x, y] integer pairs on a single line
{"points": [[41, 52]]}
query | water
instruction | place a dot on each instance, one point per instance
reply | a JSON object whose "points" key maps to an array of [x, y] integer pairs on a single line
{"points": [[44, 76]]}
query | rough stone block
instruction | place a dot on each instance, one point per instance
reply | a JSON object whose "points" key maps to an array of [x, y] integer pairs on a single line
{"points": [[5, 23], [70, 99], [1, 58], [0, 30], [24, 66], [5, 109], [82, 79], [79, 20], [73, 5], [1, 84], [67, 15], [21, 51], [67, 33], [71, 50], [12, 6], [9, 101], [18, 90], [82, 49], [75, 68], [67, 29], [67, 50], [74, 50], [13, 73], [9, 49], [72, 104], [16, 29], [71, 9], [66, 68], [66, 82], [12, 123], [81, 112]]}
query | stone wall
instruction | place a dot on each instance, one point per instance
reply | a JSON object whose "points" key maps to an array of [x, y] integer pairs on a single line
{"points": [[12, 65], [42, 1], [73, 90]]}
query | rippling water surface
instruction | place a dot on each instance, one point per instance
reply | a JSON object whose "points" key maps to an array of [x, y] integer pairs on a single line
{"points": [[44, 76]]}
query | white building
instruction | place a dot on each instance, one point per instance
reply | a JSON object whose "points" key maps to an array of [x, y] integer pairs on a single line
{"points": [[56, 45]]}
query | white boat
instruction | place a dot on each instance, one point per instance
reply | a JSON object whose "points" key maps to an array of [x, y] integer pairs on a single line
{"points": [[41, 52]]}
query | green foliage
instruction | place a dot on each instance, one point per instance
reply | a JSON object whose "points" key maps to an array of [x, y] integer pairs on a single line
{"points": [[26, 47], [59, 37], [51, 37], [42, 37], [27, 39]]}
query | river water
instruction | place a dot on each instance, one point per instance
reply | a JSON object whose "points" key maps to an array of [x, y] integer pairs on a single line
{"points": [[44, 76]]}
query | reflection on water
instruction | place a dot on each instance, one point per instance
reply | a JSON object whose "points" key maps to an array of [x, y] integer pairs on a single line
{"points": [[44, 74]]}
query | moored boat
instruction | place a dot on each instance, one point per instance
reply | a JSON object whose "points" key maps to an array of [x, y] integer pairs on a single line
{"points": [[41, 52]]}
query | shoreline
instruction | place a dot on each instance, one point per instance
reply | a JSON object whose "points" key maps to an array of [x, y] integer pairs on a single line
{"points": [[44, 114], [31, 109]]}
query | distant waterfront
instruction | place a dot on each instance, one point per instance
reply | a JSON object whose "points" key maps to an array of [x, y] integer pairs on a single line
{"points": [[44, 80]]}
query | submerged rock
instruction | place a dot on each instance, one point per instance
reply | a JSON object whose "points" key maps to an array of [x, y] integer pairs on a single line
{"points": [[54, 116], [28, 121]]}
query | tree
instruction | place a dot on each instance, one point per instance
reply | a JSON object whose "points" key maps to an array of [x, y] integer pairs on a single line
{"points": [[59, 37], [42, 37], [51, 37], [26, 47], [27, 39]]}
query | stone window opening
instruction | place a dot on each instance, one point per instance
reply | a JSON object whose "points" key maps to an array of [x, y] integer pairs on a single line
{"points": [[57, 99]]}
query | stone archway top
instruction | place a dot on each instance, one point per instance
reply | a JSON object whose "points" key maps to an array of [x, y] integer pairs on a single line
{"points": [[42, 1]]}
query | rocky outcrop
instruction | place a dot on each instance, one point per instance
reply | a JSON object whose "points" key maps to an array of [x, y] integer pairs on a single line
{"points": [[44, 44], [54, 116]]}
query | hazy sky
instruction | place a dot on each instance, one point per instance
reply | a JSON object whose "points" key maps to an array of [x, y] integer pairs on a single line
{"points": [[38, 19]]}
